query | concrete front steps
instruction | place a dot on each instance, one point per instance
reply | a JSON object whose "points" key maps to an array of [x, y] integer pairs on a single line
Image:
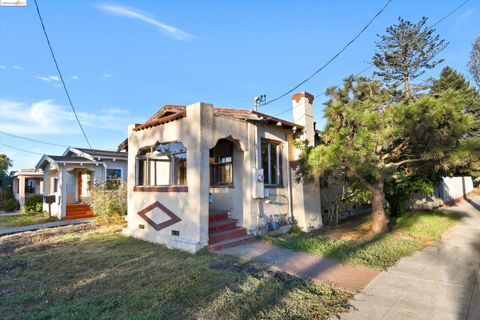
{"points": [[224, 233], [78, 211]]}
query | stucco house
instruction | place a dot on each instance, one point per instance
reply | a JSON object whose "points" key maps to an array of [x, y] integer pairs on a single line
{"points": [[26, 182], [200, 176], [68, 179]]}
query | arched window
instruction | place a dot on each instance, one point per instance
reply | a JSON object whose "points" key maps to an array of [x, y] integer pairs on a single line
{"points": [[163, 164]]}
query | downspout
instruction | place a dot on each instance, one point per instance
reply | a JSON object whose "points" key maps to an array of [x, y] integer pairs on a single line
{"points": [[290, 189]]}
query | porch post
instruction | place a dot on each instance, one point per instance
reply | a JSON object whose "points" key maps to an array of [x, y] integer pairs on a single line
{"points": [[200, 118], [62, 186], [21, 191]]}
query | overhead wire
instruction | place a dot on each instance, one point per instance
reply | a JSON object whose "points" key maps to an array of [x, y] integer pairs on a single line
{"points": [[60, 75], [333, 58]]}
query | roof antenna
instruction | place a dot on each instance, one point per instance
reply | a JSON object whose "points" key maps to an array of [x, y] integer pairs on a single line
{"points": [[259, 101]]}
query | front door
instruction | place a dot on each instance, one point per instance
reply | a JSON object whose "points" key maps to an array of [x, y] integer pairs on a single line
{"points": [[79, 185]]}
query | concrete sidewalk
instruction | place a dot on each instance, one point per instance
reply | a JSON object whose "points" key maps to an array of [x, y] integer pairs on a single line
{"points": [[34, 227], [440, 282], [305, 265]]}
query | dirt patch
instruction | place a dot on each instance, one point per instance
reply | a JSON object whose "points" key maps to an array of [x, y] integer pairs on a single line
{"points": [[250, 268], [354, 228]]}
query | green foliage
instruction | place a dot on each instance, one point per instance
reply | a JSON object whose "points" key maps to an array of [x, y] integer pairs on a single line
{"points": [[406, 51], [296, 229], [7, 200], [108, 204], [5, 163], [474, 62], [401, 188], [33, 203], [367, 136], [412, 232], [9, 205]]}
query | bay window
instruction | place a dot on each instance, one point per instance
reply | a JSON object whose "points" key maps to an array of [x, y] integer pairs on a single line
{"points": [[164, 164]]}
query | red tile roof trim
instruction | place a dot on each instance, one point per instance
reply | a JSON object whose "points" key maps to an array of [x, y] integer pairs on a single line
{"points": [[274, 119], [156, 122], [180, 112]]}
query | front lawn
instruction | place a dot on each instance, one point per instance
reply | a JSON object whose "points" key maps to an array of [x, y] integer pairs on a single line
{"points": [[24, 219], [88, 272], [412, 232]]}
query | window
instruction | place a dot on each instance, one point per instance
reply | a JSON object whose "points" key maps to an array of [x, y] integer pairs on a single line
{"points": [[162, 165], [271, 152], [114, 178], [54, 185], [221, 164]]}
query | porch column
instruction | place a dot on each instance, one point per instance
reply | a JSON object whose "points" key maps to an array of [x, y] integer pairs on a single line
{"points": [[62, 186], [21, 190], [200, 118]]}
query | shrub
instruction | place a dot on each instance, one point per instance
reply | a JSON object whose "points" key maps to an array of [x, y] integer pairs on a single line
{"points": [[7, 200], [296, 229], [10, 204], [107, 204], [33, 204]]}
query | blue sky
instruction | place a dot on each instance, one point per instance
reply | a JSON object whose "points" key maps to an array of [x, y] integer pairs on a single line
{"points": [[123, 60]]}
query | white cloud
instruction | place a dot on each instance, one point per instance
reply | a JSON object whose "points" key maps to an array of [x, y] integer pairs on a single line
{"points": [[168, 30], [115, 110], [2, 66], [46, 117], [106, 76], [17, 67], [48, 78], [74, 77]]}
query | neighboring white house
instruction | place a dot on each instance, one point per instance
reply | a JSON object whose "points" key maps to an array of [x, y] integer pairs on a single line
{"points": [[26, 182], [200, 175], [68, 178]]}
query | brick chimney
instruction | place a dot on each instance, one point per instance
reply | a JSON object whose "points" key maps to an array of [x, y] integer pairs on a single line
{"points": [[302, 109]]}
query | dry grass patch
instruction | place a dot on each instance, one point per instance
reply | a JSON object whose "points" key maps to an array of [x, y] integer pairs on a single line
{"points": [[91, 272]]}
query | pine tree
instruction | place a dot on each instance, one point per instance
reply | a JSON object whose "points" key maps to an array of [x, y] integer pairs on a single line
{"points": [[474, 62], [369, 139], [405, 52]]}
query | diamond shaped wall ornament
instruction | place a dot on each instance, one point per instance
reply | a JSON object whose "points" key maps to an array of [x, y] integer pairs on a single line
{"points": [[159, 226]]}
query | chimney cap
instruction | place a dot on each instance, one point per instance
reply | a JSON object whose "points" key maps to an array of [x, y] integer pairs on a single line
{"points": [[298, 96]]}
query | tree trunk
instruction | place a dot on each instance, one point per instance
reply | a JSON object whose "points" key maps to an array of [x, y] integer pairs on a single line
{"points": [[407, 85], [379, 223]]}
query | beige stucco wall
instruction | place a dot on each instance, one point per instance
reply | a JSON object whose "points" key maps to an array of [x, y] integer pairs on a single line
{"points": [[200, 131]]}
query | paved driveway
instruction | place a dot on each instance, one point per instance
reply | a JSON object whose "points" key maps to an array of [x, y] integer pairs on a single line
{"points": [[440, 282]]}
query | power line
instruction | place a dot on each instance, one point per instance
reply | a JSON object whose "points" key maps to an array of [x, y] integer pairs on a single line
{"points": [[450, 13], [371, 65], [33, 140], [20, 149], [60, 74], [333, 58]]}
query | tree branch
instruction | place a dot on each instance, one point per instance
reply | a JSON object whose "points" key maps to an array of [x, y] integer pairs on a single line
{"points": [[400, 163]]}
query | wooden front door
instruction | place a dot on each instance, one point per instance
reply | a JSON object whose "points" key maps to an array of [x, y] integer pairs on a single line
{"points": [[79, 185]]}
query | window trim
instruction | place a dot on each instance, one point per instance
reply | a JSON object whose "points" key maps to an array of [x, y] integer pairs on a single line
{"points": [[53, 185], [121, 180], [279, 162], [212, 165], [146, 158]]}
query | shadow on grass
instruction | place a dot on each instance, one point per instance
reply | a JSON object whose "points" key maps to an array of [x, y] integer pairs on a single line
{"points": [[109, 276]]}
